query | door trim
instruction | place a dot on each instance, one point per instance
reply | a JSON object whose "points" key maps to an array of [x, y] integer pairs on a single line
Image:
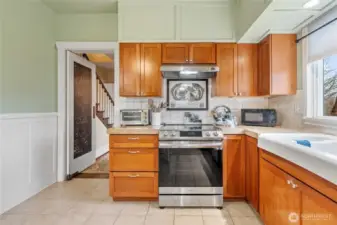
{"points": [[62, 48]]}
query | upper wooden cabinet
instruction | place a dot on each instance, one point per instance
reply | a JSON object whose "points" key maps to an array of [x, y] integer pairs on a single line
{"points": [[202, 53], [277, 65], [140, 70], [247, 70], [129, 79], [225, 82], [238, 70], [182, 53], [234, 166]]}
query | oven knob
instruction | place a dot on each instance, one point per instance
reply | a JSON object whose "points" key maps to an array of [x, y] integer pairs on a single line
{"points": [[165, 133], [173, 134], [208, 134], [215, 133]]}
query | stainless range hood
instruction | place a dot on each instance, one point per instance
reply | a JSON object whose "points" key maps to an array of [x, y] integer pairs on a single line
{"points": [[189, 71]]}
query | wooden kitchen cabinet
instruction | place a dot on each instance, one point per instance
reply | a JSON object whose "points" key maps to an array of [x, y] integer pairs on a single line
{"points": [[277, 74], [133, 166], [252, 172], [277, 198], [130, 73], [234, 166], [182, 53], [225, 82], [133, 159], [282, 194], [140, 74], [134, 185], [175, 53], [202, 53], [247, 70], [238, 64]]}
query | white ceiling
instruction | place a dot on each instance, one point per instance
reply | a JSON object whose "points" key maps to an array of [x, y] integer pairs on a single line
{"points": [[284, 16], [82, 6]]}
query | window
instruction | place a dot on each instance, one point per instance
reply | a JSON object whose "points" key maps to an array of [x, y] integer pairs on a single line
{"points": [[324, 87], [320, 71]]}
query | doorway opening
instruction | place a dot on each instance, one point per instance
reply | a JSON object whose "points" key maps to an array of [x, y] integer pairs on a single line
{"points": [[86, 109]]}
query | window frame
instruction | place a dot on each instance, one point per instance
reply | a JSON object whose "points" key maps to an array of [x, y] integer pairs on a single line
{"points": [[312, 77]]}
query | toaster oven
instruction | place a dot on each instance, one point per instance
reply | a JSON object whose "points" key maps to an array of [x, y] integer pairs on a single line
{"points": [[135, 117]]}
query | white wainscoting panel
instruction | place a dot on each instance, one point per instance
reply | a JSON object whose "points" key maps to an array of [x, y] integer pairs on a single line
{"points": [[28, 144]]}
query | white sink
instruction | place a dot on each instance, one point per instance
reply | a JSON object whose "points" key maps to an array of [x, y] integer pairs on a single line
{"points": [[319, 158]]}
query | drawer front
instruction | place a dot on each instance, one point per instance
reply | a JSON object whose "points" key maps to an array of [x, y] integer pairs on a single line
{"points": [[134, 184], [133, 141], [133, 159]]}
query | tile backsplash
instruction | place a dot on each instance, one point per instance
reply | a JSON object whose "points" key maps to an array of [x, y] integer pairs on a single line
{"points": [[236, 104]]}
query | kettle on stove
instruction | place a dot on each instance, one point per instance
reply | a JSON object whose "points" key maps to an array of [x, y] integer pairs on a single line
{"points": [[223, 116]]}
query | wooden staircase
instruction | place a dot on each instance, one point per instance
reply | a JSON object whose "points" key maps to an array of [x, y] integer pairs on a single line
{"points": [[104, 104]]}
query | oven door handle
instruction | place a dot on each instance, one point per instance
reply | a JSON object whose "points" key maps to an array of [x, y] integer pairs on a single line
{"points": [[190, 144]]}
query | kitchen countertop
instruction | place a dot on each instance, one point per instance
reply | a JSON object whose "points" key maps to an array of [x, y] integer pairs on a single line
{"points": [[248, 130], [134, 130]]}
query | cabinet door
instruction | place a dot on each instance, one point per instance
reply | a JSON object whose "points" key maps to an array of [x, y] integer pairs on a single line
{"points": [[252, 172], [133, 160], [278, 200], [247, 69], [202, 53], [264, 67], [129, 80], [317, 209], [151, 78], [134, 184], [234, 166], [225, 82], [175, 53]]}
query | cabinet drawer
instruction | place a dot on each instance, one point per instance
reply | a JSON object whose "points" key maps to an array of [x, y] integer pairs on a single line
{"points": [[133, 141], [134, 184], [133, 159]]}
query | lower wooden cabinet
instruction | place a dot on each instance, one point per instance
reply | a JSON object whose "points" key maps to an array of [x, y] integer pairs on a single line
{"points": [[133, 160], [252, 172], [134, 185], [234, 166], [285, 200]]}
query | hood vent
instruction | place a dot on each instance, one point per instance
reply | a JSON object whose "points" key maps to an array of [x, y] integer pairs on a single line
{"points": [[193, 72]]}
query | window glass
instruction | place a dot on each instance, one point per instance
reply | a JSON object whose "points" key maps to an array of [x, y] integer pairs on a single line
{"points": [[330, 86]]}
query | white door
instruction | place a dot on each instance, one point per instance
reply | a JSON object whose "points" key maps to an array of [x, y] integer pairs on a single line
{"points": [[81, 101]]}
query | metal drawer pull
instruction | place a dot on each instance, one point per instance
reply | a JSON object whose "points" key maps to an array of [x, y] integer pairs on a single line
{"points": [[293, 185], [133, 175], [133, 152], [133, 138]]}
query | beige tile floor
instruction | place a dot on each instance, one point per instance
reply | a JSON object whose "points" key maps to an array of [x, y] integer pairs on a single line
{"points": [[86, 202]]}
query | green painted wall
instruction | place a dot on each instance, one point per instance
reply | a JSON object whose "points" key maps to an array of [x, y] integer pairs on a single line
{"points": [[87, 27], [29, 81]]}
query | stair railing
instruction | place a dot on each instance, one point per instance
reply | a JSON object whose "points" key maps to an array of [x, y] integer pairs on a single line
{"points": [[105, 102]]}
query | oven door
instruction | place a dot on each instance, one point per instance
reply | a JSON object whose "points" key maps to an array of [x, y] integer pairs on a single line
{"points": [[190, 171]]}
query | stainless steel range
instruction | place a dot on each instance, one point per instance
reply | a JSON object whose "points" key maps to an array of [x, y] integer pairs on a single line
{"points": [[190, 166]]}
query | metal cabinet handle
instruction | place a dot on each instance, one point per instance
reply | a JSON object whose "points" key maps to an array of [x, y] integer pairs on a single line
{"points": [[133, 175], [293, 185], [186, 60], [240, 93], [133, 152], [133, 138]]}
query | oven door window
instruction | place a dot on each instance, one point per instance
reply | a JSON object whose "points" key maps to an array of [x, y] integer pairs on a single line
{"points": [[132, 116], [190, 168]]}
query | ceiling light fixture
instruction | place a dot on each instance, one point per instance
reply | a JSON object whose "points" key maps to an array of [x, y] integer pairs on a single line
{"points": [[311, 3]]}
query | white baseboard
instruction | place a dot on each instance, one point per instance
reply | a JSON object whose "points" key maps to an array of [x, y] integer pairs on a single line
{"points": [[102, 150], [28, 150]]}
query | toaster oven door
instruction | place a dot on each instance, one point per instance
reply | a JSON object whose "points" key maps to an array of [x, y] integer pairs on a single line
{"points": [[134, 117]]}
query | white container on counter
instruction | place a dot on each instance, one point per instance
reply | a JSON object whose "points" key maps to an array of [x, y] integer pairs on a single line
{"points": [[156, 118]]}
